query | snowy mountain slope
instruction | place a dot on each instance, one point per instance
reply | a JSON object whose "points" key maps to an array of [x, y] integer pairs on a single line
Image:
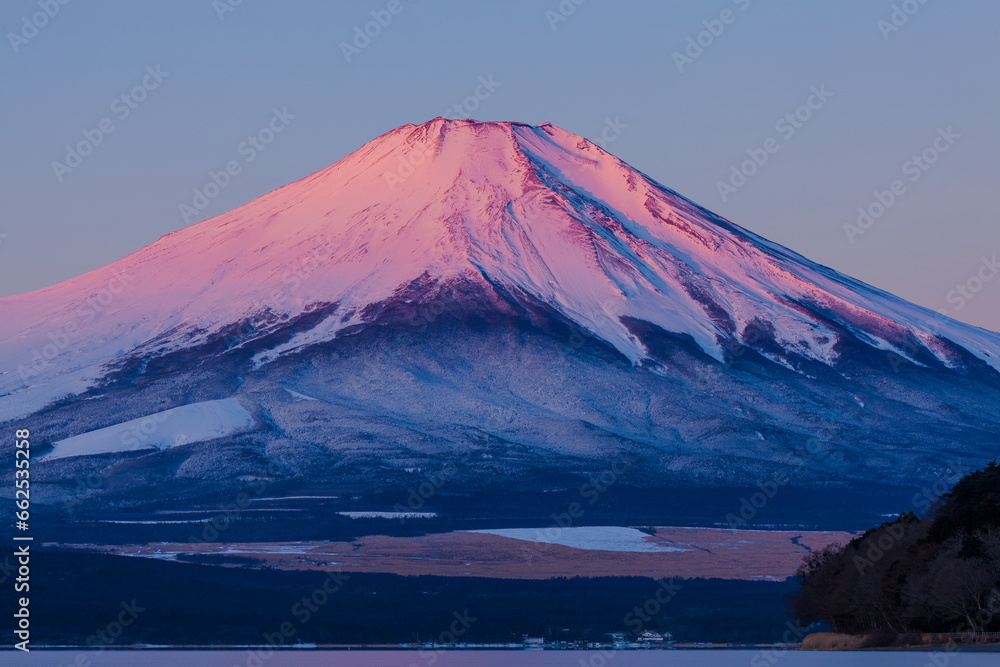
{"points": [[182, 425], [537, 210], [510, 297]]}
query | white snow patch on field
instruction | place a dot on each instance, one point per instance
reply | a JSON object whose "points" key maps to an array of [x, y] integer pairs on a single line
{"points": [[299, 396], [195, 422], [151, 522], [389, 515], [590, 538], [298, 498]]}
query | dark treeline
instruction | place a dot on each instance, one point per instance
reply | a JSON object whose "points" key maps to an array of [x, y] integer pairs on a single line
{"points": [[939, 573], [80, 598]]}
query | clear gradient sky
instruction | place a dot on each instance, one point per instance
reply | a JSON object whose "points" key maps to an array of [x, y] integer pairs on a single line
{"points": [[920, 81]]}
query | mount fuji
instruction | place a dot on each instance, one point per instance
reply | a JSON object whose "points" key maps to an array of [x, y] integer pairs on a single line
{"points": [[503, 301]]}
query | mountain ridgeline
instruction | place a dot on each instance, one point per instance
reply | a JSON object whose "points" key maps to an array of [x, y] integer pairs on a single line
{"points": [[519, 308]]}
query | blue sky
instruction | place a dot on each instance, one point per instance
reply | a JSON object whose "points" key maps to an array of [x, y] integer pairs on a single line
{"points": [[695, 89]]}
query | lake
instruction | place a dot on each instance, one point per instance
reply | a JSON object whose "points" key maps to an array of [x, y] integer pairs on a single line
{"points": [[427, 658]]}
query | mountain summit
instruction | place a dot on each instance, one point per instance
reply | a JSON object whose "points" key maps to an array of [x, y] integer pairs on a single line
{"points": [[508, 286]]}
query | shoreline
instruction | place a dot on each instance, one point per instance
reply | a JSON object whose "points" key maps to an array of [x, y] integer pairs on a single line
{"points": [[903, 642], [403, 648]]}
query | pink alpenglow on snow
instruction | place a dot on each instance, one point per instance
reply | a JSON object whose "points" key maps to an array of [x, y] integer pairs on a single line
{"points": [[535, 210]]}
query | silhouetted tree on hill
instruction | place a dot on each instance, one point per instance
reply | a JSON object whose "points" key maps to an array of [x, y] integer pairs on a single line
{"points": [[936, 574]]}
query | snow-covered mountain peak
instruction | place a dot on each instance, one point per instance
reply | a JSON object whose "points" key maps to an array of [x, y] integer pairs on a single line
{"points": [[534, 211]]}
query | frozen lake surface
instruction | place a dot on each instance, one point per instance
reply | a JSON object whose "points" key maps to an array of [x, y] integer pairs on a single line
{"points": [[599, 538]]}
